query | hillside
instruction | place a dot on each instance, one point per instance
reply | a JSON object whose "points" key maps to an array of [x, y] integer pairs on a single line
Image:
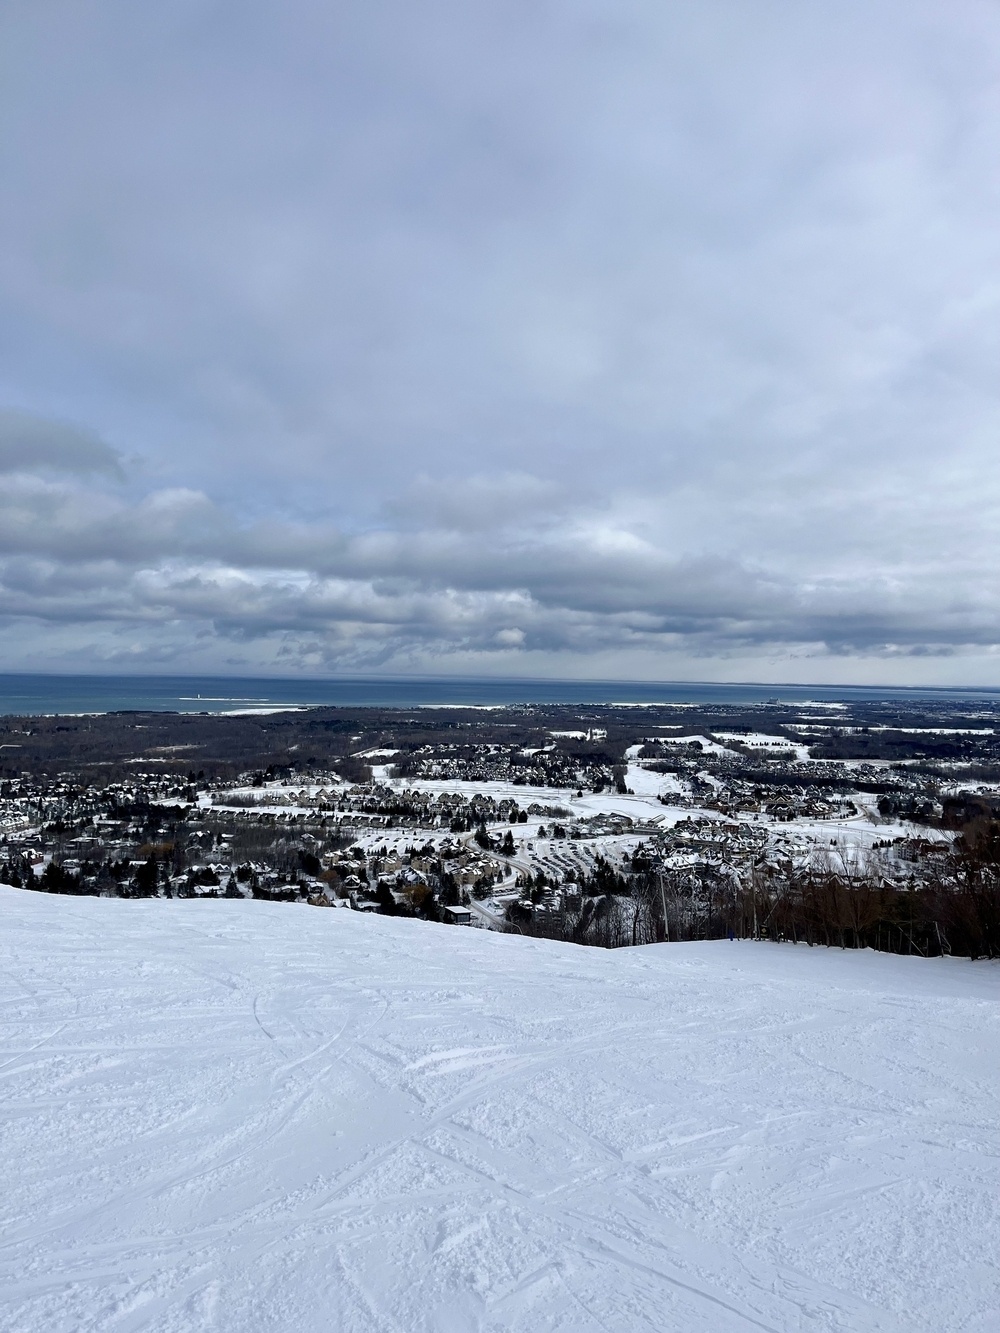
{"points": [[246, 1116]]}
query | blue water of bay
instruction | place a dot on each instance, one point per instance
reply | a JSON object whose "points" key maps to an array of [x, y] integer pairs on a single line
{"points": [[48, 694]]}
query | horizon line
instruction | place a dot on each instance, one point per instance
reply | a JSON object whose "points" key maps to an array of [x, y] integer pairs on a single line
{"points": [[404, 677]]}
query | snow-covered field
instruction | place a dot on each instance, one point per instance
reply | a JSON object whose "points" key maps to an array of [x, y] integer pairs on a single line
{"points": [[245, 1116], [762, 740]]}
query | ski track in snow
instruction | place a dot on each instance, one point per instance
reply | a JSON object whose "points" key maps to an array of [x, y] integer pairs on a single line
{"points": [[248, 1116]]}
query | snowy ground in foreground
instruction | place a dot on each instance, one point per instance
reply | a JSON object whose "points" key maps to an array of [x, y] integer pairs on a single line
{"points": [[246, 1116]]}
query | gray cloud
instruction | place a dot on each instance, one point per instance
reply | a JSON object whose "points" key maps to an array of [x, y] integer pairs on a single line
{"points": [[585, 339], [577, 584], [32, 444]]}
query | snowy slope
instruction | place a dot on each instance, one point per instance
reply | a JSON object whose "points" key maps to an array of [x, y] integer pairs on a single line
{"points": [[245, 1116]]}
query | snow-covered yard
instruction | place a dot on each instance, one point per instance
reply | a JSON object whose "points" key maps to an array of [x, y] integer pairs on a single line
{"points": [[245, 1116]]}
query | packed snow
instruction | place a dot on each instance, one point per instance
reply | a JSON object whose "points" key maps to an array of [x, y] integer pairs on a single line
{"points": [[250, 1116]]}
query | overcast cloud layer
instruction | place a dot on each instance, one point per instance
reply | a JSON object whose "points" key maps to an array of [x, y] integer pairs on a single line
{"points": [[592, 339]]}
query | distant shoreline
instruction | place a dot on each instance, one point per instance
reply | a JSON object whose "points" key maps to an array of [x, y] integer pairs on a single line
{"points": [[27, 694]]}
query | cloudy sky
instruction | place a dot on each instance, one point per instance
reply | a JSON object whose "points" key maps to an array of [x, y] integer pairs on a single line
{"points": [[587, 338]]}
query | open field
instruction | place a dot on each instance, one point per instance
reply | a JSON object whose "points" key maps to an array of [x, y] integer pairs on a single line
{"points": [[239, 1115]]}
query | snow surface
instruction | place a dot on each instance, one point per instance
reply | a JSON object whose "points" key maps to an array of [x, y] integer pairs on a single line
{"points": [[248, 1116], [764, 740], [709, 746]]}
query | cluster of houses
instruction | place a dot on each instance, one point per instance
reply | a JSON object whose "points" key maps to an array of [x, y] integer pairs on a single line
{"points": [[548, 766], [158, 833]]}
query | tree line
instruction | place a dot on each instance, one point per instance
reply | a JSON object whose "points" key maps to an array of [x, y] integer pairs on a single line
{"points": [[950, 905]]}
